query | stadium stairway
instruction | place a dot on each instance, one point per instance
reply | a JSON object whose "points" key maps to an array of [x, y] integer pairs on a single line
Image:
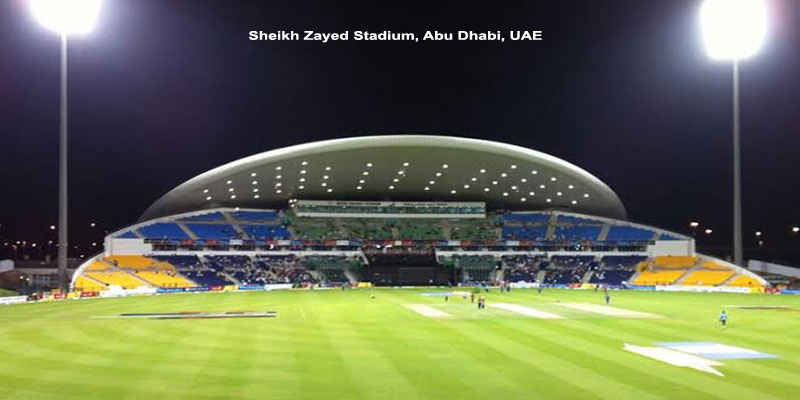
{"points": [[603, 233], [551, 231], [697, 265], [230, 277], [685, 275], [235, 225], [540, 276], [94, 280], [730, 279], [186, 230], [635, 275], [140, 279], [587, 276]]}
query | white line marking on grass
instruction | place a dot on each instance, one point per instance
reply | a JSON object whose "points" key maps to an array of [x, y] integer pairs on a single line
{"points": [[610, 311], [527, 311], [676, 358], [427, 311]]}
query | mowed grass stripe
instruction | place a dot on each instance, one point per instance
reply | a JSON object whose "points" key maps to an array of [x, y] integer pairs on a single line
{"points": [[604, 354], [471, 357], [319, 363]]}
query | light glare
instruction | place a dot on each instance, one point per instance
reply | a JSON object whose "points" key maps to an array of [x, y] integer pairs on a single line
{"points": [[66, 16], [733, 29]]}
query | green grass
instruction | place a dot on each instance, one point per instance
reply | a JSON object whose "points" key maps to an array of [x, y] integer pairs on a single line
{"points": [[344, 345]]}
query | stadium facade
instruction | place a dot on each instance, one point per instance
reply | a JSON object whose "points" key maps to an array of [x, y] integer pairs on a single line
{"points": [[399, 210]]}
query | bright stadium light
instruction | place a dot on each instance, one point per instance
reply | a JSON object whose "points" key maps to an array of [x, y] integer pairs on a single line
{"points": [[733, 29], [66, 16]]}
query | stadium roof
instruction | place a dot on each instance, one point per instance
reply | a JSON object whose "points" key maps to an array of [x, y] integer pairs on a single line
{"points": [[396, 167]]}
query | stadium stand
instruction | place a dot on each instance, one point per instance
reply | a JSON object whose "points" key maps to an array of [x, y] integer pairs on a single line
{"points": [[254, 216], [577, 232], [521, 268], [214, 216], [629, 234], [163, 231], [535, 233], [220, 232]]}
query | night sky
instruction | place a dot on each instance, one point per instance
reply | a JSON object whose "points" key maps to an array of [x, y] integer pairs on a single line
{"points": [[163, 90]]}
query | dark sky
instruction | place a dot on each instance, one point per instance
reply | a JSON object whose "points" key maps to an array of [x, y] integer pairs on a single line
{"points": [[164, 90]]}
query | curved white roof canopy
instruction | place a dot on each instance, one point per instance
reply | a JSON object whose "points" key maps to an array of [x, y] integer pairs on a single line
{"points": [[396, 167]]}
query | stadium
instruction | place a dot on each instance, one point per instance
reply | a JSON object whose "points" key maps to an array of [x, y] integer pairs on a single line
{"points": [[310, 211], [357, 268]]}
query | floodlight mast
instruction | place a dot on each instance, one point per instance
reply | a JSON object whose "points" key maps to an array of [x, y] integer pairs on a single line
{"points": [[734, 30], [64, 17]]}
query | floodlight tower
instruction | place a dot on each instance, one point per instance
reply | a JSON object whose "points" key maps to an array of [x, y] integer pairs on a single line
{"points": [[734, 30], [65, 17]]}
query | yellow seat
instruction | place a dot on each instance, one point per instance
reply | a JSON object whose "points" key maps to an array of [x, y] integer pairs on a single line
{"points": [[164, 279], [675, 261], [658, 277], [118, 278], [745, 281], [97, 266], [707, 278], [84, 284]]}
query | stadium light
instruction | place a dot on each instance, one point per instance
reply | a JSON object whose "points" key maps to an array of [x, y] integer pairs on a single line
{"points": [[734, 30], [65, 17], [709, 231], [694, 224], [796, 229]]}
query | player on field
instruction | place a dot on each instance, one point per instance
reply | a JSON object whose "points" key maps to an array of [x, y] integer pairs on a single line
{"points": [[723, 319], [607, 296]]}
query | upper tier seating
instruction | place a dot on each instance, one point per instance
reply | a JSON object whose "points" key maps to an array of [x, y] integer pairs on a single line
{"points": [[256, 216], [577, 232], [214, 216], [323, 230], [180, 262], [629, 234], [526, 217], [419, 232], [569, 219], [261, 232], [221, 232], [536, 233], [163, 230]]}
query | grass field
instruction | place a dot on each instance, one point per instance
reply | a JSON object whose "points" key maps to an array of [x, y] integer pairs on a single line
{"points": [[345, 345]]}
